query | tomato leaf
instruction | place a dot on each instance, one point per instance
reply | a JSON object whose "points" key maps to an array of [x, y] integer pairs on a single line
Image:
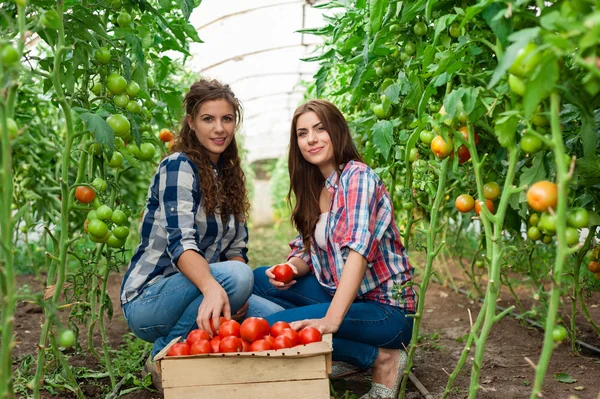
{"points": [[383, 137], [588, 135], [594, 218], [103, 133], [442, 23], [541, 85], [376, 12], [392, 92], [321, 77], [534, 173], [520, 39], [564, 378], [501, 26]]}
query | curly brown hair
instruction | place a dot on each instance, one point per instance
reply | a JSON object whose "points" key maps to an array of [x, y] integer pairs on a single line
{"points": [[228, 192]]}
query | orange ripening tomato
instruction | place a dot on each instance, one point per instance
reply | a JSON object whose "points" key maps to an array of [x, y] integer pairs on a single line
{"points": [[197, 335], [440, 148], [252, 329], [291, 334], [260, 345], [201, 347], [464, 203], [283, 273], [230, 328], [542, 195], [179, 349], [282, 342], [165, 135], [230, 344], [594, 267], [464, 131], [488, 203], [278, 327], [308, 335], [85, 194]]}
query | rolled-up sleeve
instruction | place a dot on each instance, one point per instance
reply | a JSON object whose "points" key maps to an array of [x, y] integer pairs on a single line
{"points": [[239, 244], [179, 199], [297, 247], [363, 221]]}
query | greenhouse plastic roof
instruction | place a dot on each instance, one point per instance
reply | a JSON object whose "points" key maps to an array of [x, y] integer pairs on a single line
{"points": [[253, 46]]}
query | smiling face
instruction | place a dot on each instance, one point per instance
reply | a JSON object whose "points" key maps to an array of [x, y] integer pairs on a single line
{"points": [[315, 143], [214, 125]]}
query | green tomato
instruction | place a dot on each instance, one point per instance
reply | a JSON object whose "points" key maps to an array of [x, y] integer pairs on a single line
{"points": [[395, 28], [102, 55], [134, 107], [534, 233], [531, 144], [559, 334], [121, 100], [426, 136], [120, 125], [96, 203], [121, 232], [134, 150], [119, 143], [114, 242], [539, 119], [50, 19], [414, 154], [407, 206], [434, 107], [133, 89], [95, 149], [92, 215], [534, 219], [150, 82], [66, 338], [516, 85], [578, 218], [410, 48], [104, 212], [546, 239], [124, 19], [97, 88], [119, 218], [547, 224], [99, 184], [480, 264], [147, 151], [9, 56], [379, 71], [97, 228], [380, 112], [420, 29], [116, 160], [116, 83], [526, 60], [454, 29], [102, 239], [572, 236]]}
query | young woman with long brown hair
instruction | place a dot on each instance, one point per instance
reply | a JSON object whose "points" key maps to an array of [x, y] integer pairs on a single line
{"points": [[347, 258], [190, 266]]}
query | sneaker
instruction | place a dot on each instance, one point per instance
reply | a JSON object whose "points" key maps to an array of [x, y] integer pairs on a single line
{"points": [[153, 369]]}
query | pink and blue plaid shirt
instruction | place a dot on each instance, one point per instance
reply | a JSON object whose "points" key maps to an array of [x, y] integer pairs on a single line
{"points": [[361, 218]]}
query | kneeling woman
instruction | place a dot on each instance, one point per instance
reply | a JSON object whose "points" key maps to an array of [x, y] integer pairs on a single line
{"points": [[348, 258]]}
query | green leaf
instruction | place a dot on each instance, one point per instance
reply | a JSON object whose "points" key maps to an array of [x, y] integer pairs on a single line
{"points": [[383, 137], [564, 378], [541, 85], [186, 6], [392, 92], [520, 39], [534, 173], [442, 23], [412, 141], [588, 135], [594, 218], [321, 77], [191, 32], [501, 26], [506, 129], [103, 133], [376, 13]]}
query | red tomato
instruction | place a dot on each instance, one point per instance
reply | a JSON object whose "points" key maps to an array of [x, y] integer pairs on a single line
{"points": [[221, 321], [252, 329], [260, 345], [201, 347], [179, 349], [85, 194], [245, 345], [230, 344], [308, 335], [196, 335], [269, 339], [278, 327], [283, 273], [282, 342], [215, 343], [291, 334], [463, 154], [230, 328], [266, 326]]}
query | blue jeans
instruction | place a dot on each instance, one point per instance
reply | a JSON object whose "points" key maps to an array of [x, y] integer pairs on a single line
{"points": [[168, 308], [367, 326]]}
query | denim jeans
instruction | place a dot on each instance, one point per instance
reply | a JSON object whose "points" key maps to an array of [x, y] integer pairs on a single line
{"points": [[168, 308], [367, 326]]}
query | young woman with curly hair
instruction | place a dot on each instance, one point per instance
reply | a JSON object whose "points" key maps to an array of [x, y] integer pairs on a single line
{"points": [[351, 269], [190, 266]]}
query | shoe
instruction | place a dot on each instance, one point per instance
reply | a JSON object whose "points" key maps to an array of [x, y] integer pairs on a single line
{"points": [[380, 391], [151, 368], [342, 369]]}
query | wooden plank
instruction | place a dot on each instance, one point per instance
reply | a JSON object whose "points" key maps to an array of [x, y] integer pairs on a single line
{"points": [[190, 371], [312, 389]]}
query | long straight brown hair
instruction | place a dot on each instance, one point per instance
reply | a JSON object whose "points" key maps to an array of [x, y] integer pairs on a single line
{"points": [[306, 180]]}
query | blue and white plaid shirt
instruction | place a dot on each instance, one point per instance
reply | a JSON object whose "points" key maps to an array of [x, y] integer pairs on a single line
{"points": [[174, 221]]}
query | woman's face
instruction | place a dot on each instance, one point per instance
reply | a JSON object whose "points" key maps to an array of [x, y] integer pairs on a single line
{"points": [[314, 142], [214, 126]]}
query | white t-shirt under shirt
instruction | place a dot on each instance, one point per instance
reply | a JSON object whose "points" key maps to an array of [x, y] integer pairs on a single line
{"points": [[320, 231]]}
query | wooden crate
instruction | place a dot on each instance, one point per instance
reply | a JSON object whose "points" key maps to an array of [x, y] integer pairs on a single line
{"points": [[301, 372]]}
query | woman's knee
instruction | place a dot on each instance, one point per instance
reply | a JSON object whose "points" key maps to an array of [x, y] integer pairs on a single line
{"points": [[236, 278]]}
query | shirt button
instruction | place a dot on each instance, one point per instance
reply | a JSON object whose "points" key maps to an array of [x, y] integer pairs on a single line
{"points": [[172, 209]]}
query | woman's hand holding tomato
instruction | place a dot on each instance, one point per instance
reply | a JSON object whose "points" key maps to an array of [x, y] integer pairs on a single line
{"points": [[324, 325], [279, 275], [214, 304]]}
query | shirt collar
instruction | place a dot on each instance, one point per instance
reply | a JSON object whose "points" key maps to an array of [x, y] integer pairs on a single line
{"points": [[332, 180]]}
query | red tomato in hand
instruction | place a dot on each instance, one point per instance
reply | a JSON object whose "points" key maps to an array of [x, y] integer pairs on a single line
{"points": [[252, 329], [196, 335], [245, 345], [230, 328], [283, 273], [201, 347], [179, 349], [282, 342], [278, 327], [261, 345], [269, 339], [308, 335], [291, 334], [215, 343], [222, 320], [230, 344]]}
